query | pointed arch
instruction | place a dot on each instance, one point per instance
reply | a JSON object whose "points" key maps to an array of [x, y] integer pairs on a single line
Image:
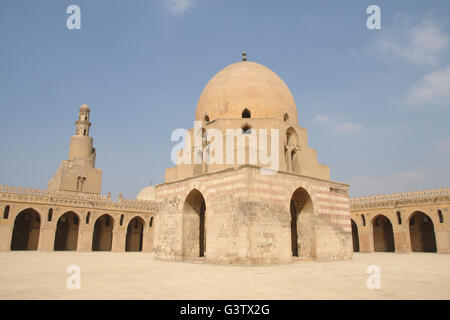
{"points": [[355, 236], [66, 236], [246, 113], [383, 234], [135, 234], [25, 235], [194, 233], [103, 233], [246, 129], [421, 231], [291, 151], [302, 225]]}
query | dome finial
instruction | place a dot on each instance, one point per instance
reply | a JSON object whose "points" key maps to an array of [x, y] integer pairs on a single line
{"points": [[244, 56]]}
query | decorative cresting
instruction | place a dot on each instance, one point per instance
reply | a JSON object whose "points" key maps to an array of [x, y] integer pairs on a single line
{"points": [[392, 198], [12, 193], [413, 221]]}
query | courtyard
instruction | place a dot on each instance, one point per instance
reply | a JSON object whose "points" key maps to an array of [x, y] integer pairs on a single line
{"points": [[136, 275]]}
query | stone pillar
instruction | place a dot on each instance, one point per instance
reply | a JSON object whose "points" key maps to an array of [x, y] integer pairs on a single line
{"points": [[6, 228], [442, 241], [118, 241], [365, 241], [147, 241], [401, 239], [47, 237], [85, 240]]}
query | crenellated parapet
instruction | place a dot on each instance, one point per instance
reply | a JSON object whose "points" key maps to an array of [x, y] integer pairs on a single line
{"points": [[78, 199], [404, 198]]}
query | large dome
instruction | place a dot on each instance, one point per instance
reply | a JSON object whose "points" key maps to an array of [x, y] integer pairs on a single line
{"points": [[246, 85]]}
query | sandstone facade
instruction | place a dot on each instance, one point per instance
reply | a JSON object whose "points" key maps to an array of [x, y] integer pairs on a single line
{"points": [[402, 222]]}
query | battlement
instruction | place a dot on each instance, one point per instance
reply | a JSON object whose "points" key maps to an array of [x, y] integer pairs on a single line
{"points": [[415, 195], [76, 198]]}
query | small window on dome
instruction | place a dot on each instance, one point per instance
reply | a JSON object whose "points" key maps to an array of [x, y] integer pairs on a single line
{"points": [[206, 118], [286, 117], [246, 129], [246, 113]]}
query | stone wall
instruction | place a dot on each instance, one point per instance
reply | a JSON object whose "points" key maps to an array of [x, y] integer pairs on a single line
{"points": [[248, 218], [399, 208], [50, 206]]}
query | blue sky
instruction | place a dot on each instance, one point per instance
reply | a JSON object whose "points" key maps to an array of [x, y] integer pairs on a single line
{"points": [[376, 103]]}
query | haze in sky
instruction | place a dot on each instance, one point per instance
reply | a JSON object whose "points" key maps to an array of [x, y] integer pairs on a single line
{"points": [[376, 103]]}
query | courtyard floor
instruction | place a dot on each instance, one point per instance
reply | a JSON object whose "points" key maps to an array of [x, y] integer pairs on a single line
{"points": [[105, 275]]}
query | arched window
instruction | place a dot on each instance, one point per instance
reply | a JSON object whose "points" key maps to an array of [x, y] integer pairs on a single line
{"points": [[363, 220], [6, 212], [84, 133], [50, 214], [87, 217], [246, 129], [151, 222], [121, 219], [246, 113], [399, 217], [441, 217], [286, 117], [206, 118]]}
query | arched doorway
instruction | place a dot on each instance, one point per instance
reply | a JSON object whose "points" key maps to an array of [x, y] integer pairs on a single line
{"points": [[290, 150], [383, 234], [421, 231], [194, 243], [102, 238], [355, 236], [302, 225], [26, 230], [66, 236], [135, 234]]}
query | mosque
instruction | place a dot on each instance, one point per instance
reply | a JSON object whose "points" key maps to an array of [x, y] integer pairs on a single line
{"points": [[230, 212]]}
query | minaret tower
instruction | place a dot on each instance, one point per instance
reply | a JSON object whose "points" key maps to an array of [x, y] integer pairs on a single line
{"points": [[83, 123], [81, 144], [78, 173]]}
